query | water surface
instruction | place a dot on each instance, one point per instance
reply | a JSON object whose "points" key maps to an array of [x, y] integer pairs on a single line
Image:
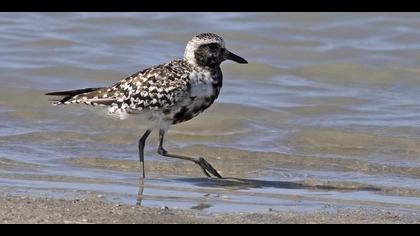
{"points": [[326, 112]]}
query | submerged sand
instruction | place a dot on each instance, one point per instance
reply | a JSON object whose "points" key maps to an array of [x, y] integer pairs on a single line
{"points": [[93, 209]]}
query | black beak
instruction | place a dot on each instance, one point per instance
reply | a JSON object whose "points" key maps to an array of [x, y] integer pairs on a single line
{"points": [[234, 57]]}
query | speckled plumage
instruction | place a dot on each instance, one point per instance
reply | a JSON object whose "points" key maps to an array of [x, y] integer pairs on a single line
{"points": [[176, 90]]}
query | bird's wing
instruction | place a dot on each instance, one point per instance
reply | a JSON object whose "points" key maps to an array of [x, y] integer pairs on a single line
{"points": [[156, 88]]}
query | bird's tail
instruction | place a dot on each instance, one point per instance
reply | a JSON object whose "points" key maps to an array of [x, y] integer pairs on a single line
{"points": [[65, 96]]}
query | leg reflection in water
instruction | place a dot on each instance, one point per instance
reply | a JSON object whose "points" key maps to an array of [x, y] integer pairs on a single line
{"points": [[140, 193]]}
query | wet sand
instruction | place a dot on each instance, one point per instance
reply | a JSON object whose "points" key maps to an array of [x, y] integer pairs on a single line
{"points": [[93, 209]]}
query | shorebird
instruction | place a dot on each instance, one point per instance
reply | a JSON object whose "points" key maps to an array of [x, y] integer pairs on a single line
{"points": [[165, 94]]}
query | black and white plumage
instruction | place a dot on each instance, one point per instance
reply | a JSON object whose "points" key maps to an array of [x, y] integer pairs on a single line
{"points": [[165, 94]]}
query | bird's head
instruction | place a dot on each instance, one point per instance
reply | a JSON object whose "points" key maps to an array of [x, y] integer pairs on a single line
{"points": [[208, 50]]}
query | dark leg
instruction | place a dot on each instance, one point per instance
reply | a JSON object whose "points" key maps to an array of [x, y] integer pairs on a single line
{"points": [[205, 166], [142, 142]]}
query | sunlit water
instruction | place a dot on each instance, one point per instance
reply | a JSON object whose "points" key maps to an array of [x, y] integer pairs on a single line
{"points": [[329, 100]]}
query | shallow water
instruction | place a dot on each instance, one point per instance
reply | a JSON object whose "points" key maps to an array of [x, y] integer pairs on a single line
{"points": [[326, 112]]}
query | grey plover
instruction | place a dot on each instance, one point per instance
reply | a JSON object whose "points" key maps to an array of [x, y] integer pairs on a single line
{"points": [[165, 94]]}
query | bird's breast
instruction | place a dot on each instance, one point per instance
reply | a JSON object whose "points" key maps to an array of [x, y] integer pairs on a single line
{"points": [[189, 110], [201, 84], [204, 89]]}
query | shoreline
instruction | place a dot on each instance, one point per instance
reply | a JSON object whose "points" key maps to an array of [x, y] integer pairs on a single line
{"points": [[91, 209]]}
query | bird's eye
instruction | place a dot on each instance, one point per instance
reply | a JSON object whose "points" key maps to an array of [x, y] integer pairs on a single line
{"points": [[213, 46]]}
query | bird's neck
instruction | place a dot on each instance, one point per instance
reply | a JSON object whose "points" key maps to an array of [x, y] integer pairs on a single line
{"points": [[208, 69], [215, 73], [199, 67]]}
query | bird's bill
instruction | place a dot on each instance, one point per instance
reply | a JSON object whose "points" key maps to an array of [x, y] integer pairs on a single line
{"points": [[234, 57]]}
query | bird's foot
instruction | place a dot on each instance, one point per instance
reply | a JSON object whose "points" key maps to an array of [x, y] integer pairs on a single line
{"points": [[206, 167]]}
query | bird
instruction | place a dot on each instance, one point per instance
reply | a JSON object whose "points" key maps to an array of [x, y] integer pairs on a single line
{"points": [[165, 94]]}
